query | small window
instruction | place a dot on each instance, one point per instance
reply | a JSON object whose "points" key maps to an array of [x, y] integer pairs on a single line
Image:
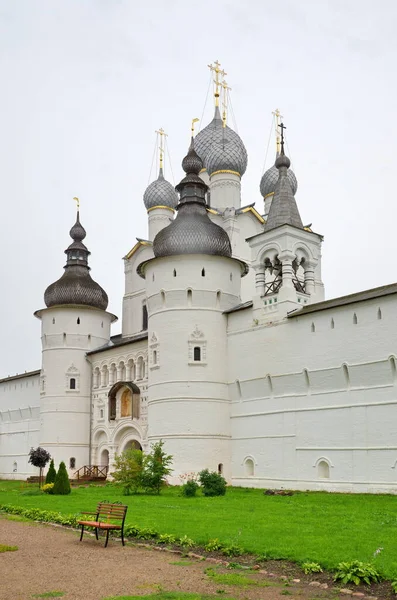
{"points": [[144, 317], [249, 467], [197, 353], [101, 413], [15, 467], [53, 321], [155, 357], [355, 320], [220, 469], [379, 314], [189, 297], [323, 469], [202, 272], [231, 276], [153, 277], [78, 320], [72, 383], [332, 324], [313, 328], [102, 324], [72, 463], [174, 272]]}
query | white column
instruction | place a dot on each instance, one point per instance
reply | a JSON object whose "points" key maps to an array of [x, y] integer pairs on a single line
{"points": [[309, 277]]}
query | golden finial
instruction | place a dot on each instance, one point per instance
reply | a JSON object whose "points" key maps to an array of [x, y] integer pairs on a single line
{"points": [[162, 134], [77, 202], [193, 122], [277, 115], [226, 89], [215, 69]]}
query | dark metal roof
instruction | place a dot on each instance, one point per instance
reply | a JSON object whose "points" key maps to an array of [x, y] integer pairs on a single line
{"points": [[283, 209], [118, 340], [192, 232], [20, 376], [379, 292], [269, 180], [238, 307], [76, 285]]}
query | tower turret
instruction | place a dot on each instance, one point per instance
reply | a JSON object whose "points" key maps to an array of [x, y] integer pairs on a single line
{"points": [[189, 284], [74, 322]]}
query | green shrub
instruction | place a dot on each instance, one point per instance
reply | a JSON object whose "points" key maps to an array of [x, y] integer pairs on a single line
{"points": [[357, 572], [51, 473], [48, 488], [62, 483], [232, 550], [167, 538], [212, 483], [311, 567], [213, 545], [186, 542], [189, 489], [45, 516], [394, 586]]}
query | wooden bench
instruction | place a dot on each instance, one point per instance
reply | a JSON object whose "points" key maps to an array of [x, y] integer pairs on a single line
{"points": [[108, 517]]}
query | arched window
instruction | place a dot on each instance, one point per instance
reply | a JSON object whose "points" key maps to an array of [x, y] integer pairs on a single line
{"points": [[72, 463], [144, 317], [313, 328], [189, 297], [220, 469], [174, 273], [155, 357], [323, 469], [379, 314], [249, 467], [162, 298], [78, 320], [197, 353], [203, 272], [355, 320], [53, 321], [72, 383]]}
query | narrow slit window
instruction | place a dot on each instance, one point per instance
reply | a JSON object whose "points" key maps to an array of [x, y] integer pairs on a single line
{"points": [[174, 273], [197, 353], [144, 317], [202, 272], [78, 320]]}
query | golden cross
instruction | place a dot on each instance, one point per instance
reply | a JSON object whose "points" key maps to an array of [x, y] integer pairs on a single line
{"points": [[193, 122], [162, 135], [77, 202], [215, 69], [277, 114], [226, 88]]}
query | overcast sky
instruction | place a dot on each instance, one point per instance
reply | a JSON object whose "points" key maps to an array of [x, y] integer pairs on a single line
{"points": [[85, 83]]}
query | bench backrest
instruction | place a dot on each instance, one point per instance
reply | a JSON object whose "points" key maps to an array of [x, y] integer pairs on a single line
{"points": [[111, 512]]}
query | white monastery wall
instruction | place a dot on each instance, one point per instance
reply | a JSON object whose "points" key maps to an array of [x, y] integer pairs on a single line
{"points": [[312, 399], [135, 294], [19, 424]]}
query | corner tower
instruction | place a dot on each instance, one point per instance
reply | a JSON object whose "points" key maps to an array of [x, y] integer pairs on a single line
{"points": [[74, 322], [189, 284]]}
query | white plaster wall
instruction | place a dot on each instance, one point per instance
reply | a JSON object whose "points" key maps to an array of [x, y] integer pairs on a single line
{"points": [[188, 404], [134, 296], [158, 218], [68, 332], [19, 424], [225, 191], [308, 393]]}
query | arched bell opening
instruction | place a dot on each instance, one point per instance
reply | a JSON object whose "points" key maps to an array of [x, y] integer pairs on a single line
{"points": [[124, 401]]}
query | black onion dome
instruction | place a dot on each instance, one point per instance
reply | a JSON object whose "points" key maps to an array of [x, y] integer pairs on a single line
{"points": [[160, 193], [214, 136], [76, 285], [192, 232]]}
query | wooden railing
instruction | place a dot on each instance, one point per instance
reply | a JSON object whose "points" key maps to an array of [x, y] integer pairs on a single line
{"points": [[92, 472]]}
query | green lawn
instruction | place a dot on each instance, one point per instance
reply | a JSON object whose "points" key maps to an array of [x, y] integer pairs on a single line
{"points": [[321, 527]]}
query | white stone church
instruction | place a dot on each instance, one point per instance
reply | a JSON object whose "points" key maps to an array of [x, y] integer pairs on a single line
{"points": [[228, 352]]}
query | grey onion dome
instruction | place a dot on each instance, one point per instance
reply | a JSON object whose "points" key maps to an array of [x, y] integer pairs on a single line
{"points": [[76, 285], [214, 136], [270, 178], [225, 157], [192, 231], [160, 193]]}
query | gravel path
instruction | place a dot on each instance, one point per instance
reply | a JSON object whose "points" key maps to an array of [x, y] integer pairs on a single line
{"points": [[52, 559]]}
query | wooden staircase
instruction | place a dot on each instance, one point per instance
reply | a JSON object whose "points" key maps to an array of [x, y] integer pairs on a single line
{"points": [[91, 473]]}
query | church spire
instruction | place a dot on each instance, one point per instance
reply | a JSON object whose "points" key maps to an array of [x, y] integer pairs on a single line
{"points": [[283, 209]]}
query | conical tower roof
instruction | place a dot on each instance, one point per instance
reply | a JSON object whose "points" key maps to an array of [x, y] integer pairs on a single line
{"points": [[283, 210]]}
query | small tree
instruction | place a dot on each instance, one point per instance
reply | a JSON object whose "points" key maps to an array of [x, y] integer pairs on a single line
{"points": [[62, 483], [129, 468], [156, 468], [51, 473], [38, 457]]}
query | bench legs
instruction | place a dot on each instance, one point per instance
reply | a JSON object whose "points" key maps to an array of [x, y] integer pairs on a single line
{"points": [[107, 537], [82, 533], [122, 537]]}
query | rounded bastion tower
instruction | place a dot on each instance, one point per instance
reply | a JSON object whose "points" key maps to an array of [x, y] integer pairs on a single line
{"points": [[189, 284], [74, 322]]}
